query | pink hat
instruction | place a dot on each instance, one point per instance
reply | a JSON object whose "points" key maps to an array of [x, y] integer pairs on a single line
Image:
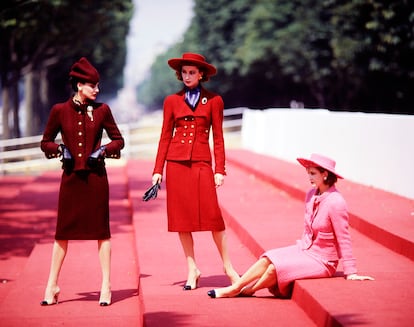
{"points": [[84, 71], [317, 160], [192, 59]]}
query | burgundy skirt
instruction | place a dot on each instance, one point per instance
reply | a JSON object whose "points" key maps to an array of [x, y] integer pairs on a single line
{"points": [[191, 197], [83, 212]]}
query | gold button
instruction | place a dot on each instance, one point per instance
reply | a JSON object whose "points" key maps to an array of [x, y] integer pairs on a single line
{"points": [[79, 155], [192, 126], [80, 133], [185, 126], [80, 144], [190, 141], [79, 123], [182, 141], [191, 134], [184, 134]]}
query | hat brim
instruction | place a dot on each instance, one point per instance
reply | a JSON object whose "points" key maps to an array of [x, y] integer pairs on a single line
{"points": [[309, 163], [177, 63]]}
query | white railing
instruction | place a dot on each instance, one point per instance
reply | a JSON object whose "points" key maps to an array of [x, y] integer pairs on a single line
{"points": [[23, 155]]}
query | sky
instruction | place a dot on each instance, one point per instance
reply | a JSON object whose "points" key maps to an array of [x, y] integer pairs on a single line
{"points": [[156, 24]]}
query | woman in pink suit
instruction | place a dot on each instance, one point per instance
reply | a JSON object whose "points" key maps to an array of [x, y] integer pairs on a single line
{"points": [[191, 179], [325, 240]]}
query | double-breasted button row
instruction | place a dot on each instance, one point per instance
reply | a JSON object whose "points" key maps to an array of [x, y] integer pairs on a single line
{"points": [[189, 135]]}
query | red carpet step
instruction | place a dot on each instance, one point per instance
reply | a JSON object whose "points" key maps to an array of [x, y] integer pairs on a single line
{"points": [[27, 226], [262, 201], [265, 207], [163, 272]]}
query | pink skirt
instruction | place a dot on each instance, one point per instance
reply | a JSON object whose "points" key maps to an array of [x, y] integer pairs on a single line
{"points": [[292, 263], [191, 197]]}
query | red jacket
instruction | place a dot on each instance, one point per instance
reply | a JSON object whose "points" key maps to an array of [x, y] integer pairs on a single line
{"points": [[80, 133], [185, 133]]}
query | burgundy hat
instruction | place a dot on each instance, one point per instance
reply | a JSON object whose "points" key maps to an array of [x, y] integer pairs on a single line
{"points": [[317, 160], [84, 71], [192, 59]]}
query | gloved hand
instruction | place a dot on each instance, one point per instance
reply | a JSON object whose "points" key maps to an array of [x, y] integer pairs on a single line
{"points": [[96, 158], [67, 159]]}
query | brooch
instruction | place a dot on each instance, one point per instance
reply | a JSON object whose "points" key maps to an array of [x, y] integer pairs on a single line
{"points": [[89, 110], [204, 100]]}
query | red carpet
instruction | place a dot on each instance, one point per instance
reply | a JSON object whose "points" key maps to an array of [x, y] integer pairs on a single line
{"points": [[262, 200], [27, 228]]}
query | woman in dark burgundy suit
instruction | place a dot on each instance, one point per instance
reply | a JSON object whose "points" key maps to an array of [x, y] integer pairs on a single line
{"points": [[192, 204], [83, 210]]}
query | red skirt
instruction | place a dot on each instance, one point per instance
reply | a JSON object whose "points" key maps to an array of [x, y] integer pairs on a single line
{"points": [[191, 197], [83, 212]]}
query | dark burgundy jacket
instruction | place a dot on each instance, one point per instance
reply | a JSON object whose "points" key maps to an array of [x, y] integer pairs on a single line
{"points": [[81, 134]]}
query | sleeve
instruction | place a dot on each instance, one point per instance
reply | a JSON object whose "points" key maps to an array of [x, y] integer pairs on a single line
{"points": [[218, 138], [53, 127], [113, 148], [167, 130], [340, 222]]}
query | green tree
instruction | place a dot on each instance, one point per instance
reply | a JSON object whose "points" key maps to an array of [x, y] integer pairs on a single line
{"points": [[40, 39], [374, 46], [335, 54]]}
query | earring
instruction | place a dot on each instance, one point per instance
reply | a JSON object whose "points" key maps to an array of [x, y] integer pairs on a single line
{"points": [[325, 178]]}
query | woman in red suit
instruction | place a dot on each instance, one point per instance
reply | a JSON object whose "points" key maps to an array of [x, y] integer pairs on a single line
{"points": [[324, 241], [192, 204], [83, 210]]}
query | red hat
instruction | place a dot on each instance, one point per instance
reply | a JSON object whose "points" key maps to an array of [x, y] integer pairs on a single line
{"points": [[192, 59], [317, 160], [84, 71]]}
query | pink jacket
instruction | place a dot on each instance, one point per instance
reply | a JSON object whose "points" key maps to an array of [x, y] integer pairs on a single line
{"points": [[326, 233]]}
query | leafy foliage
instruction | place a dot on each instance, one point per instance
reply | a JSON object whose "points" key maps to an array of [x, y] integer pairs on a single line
{"points": [[335, 54], [44, 37]]}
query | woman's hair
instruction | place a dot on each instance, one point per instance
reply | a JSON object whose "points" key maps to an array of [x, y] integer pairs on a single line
{"points": [[74, 83], [203, 72], [331, 179]]}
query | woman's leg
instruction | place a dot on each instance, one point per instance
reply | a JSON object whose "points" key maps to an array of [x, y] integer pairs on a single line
{"points": [[187, 243], [221, 242], [268, 279], [59, 251], [104, 250], [252, 274]]}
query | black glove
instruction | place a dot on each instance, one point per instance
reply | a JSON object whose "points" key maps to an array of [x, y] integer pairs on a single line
{"points": [[152, 192], [97, 158], [67, 160]]}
